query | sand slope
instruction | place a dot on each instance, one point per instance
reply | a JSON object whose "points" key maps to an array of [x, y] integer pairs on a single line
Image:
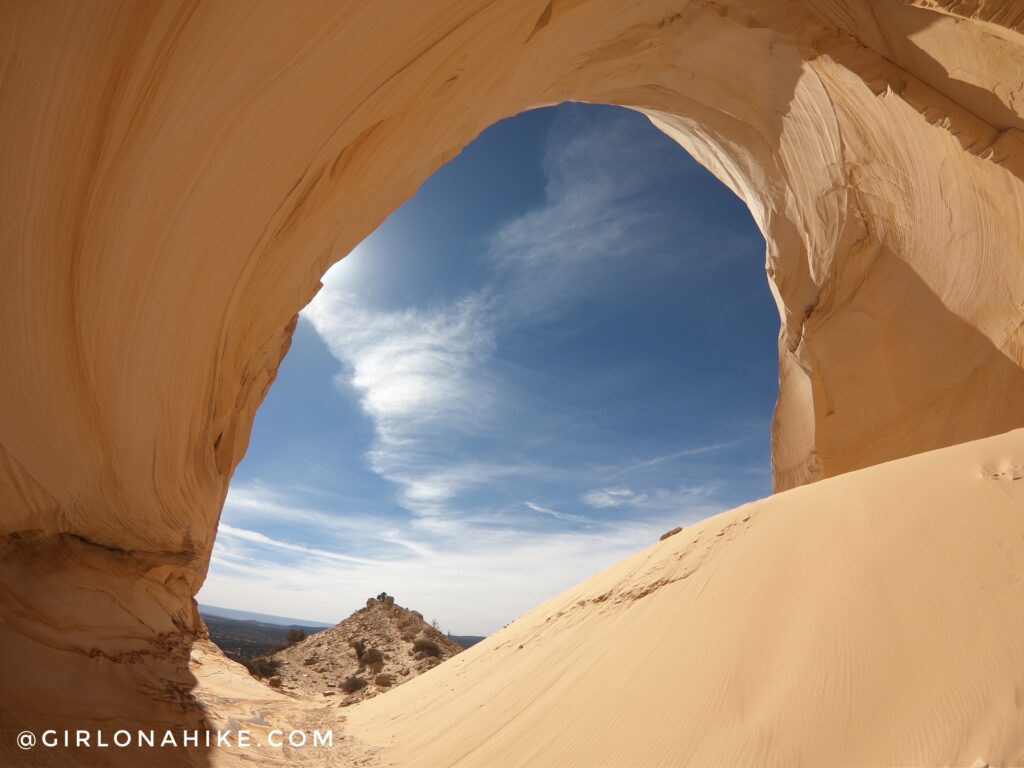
{"points": [[873, 618]]}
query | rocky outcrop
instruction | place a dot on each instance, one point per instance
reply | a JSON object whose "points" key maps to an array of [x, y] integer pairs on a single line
{"points": [[374, 649], [178, 176]]}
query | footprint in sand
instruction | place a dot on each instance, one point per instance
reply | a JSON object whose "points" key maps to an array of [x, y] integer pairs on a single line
{"points": [[1014, 471]]}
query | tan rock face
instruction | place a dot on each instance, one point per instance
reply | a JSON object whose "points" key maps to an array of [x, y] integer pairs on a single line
{"points": [[176, 178]]}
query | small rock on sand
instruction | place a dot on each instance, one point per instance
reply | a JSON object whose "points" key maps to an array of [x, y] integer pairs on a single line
{"points": [[673, 532]]}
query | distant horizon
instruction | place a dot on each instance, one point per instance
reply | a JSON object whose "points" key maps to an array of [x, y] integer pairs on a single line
{"points": [[285, 621], [268, 618]]}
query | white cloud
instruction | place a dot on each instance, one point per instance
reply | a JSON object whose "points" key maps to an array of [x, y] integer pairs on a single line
{"points": [[556, 514], [595, 219], [420, 375], [663, 499], [256, 537], [257, 505], [602, 498], [410, 367], [254, 502], [699, 450], [426, 486]]}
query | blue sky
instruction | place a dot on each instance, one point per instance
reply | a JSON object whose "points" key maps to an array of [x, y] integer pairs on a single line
{"points": [[561, 347]]}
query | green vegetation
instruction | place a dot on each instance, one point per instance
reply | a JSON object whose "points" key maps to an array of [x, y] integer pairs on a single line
{"points": [[427, 647], [351, 684], [360, 649], [293, 636], [243, 640], [262, 667]]}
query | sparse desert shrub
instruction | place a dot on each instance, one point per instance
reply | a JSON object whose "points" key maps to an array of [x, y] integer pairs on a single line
{"points": [[427, 647], [373, 660], [352, 683], [360, 648], [263, 667], [294, 636]]}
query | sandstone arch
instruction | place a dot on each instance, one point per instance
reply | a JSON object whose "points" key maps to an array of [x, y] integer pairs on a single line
{"points": [[177, 176]]}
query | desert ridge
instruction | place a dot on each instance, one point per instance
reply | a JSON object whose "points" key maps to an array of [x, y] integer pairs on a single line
{"points": [[376, 648], [872, 618]]}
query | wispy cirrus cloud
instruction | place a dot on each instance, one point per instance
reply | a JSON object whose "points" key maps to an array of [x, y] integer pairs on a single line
{"points": [[555, 513], [420, 375], [411, 368], [255, 537], [685, 453], [680, 497], [597, 221], [603, 498], [426, 376]]}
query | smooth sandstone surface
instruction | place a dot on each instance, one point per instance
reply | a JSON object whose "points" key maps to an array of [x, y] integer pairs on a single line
{"points": [[178, 175]]}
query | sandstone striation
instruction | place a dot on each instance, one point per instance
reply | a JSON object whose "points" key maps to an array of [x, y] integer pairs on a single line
{"points": [[177, 176]]}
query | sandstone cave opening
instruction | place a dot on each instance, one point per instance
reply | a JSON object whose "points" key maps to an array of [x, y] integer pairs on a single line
{"points": [[562, 346]]}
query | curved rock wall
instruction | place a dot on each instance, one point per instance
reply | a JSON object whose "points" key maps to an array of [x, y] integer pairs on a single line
{"points": [[177, 176]]}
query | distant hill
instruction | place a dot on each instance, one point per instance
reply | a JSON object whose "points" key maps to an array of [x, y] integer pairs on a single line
{"points": [[267, 618], [249, 639], [376, 648], [467, 640], [249, 635]]}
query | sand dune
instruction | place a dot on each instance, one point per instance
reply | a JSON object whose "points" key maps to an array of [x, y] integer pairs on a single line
{"points": [[870, 619]]}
